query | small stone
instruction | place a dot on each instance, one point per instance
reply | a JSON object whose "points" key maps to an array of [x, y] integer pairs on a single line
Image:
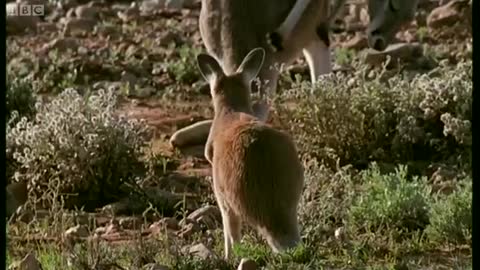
{"points": [[340, 234], [166, 222], [86, 11], [130, 223], [358, 42], [79, 26], [100, 230], [166, 38], [188, 230], [208, 215], [128, 14], [62, 44], [444, 15], [201, 251], [247, 264], [76, 232]]}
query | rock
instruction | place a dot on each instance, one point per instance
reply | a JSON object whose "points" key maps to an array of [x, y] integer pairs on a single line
{"points": [[29, 262], [79, 26], [86, 11], [111, 228], [340, 234], [208, 215], [404, 51], [100, 230], [107, 31], [79, 231], [358, 42], [130, 223], [129, 13], [445, 15], [17, 195], [201, 251], [166, 38], [155, 266], [120, 207], [62, 44], [188, 229], [165, 223], [247, 264]]}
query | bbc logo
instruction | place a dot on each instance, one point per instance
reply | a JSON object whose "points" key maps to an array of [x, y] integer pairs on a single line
{"points": [[25, 10]]}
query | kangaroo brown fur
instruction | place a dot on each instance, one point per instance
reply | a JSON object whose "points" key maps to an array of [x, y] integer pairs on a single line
{"points": [[257, 175]]}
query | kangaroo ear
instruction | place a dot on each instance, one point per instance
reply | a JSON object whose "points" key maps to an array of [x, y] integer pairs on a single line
{"points": [[209, 67], [251, 64]]}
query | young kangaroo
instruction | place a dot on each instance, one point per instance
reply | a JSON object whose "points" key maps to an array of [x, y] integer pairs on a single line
{"points": [[386, 18], [257, 176]]}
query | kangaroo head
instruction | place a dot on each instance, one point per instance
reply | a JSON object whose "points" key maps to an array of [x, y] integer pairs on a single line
{"points": [[231, 90], [386, 18]]}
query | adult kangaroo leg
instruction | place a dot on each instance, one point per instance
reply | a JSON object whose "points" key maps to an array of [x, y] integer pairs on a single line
{"points": [[317, 54]]}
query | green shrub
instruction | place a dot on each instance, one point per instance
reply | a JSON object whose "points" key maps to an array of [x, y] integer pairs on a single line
{"points": [[451, 216], [184, 70], [325, 200], [402, 119], [391, 201], [77, 149], [19, 96]]}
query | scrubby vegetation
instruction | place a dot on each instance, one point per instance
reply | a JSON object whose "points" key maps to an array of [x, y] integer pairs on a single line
{"points": [[386, 150], [77, 145]]}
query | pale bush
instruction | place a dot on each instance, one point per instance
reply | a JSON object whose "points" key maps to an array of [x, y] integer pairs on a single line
{"points": [[77, 149], [402, 119]]}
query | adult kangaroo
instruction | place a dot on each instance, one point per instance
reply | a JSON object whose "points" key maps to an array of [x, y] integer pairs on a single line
{"points": [[285, 29]]}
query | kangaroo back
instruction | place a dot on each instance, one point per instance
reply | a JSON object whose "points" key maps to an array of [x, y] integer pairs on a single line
{"points": [[262, 177], [257, 176]]}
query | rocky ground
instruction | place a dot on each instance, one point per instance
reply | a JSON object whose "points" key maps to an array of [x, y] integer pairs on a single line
{"points": [[146, 50]]}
